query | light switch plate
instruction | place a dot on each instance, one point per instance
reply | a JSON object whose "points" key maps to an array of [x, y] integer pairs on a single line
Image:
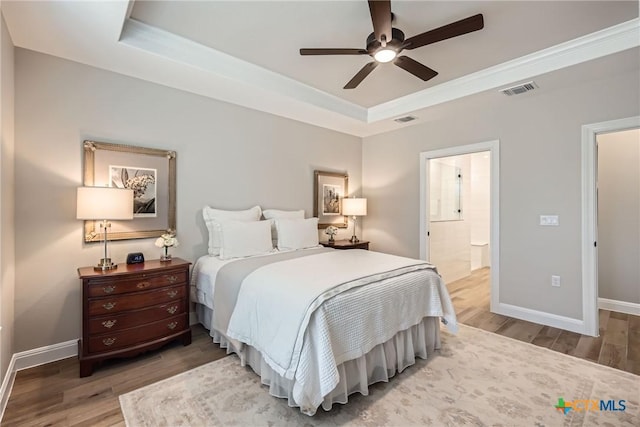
{"points": [[549, 220]]}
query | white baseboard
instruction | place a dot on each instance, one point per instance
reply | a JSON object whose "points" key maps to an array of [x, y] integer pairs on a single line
{"points": [[47, 354], [541, 317], [31, 358], [619, 306], [7, 385]]}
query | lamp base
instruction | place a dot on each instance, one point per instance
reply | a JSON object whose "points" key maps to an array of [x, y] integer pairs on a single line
{"points": [[354, 239], [105, 264]]}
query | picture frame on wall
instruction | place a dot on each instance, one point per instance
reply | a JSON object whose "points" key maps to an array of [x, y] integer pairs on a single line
{"points": [[149, 172], [328, 191]]}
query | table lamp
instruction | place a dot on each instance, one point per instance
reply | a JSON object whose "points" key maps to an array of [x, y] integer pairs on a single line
{"points": [[354, 207], [104, 204]]}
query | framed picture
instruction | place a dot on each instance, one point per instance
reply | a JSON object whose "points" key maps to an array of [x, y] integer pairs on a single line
{"points": [[143, 183], [149, 172], [328, 191]]}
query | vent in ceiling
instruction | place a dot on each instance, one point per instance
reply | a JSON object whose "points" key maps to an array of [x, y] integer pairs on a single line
{"points": [[405, 119], [518, 89]]}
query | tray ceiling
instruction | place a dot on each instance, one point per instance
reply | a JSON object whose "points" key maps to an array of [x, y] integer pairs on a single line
{"points": [[247, 52]]}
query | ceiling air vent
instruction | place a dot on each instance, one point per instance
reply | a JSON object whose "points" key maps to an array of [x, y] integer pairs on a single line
{"points": [[521, 88], [404, 119]]}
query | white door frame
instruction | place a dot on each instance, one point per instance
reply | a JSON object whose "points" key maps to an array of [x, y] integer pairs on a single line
{"points": [[494, 148], [589, 216]]}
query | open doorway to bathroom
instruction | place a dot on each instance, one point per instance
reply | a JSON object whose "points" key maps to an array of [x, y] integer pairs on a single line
{"points": [[459, 222]]}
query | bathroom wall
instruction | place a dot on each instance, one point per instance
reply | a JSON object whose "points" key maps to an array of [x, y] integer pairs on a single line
{"points": [[479, 209], [449, 240]]}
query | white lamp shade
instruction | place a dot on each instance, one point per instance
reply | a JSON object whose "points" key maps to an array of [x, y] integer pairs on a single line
{"points": [[100, 203], [354, 207]]}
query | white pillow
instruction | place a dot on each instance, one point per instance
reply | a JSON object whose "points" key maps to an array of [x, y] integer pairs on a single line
{"points": [[272, 214], [213, 216], [297, 233], [240, 239]]}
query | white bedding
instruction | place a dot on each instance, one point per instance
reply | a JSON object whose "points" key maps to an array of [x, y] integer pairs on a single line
{"points": [[203, 277], [277, 328], [346, 326]]}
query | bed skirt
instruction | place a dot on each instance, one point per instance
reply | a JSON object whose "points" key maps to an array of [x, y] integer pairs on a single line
{"points": [[379, 364]]}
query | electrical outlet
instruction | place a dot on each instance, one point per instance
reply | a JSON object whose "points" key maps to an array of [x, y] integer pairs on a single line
{"points": [[555, 281], [552, 220]]}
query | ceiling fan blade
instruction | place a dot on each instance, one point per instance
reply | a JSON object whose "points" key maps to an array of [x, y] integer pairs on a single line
{"points": [[414, 67], [381, 19], [458, 28], [333, 51], [359, 77]]}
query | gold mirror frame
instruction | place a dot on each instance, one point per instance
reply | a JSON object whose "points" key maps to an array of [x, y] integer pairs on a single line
{"points": [[93, 148]]}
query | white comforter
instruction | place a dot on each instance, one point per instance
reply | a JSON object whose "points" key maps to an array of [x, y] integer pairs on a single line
{"points": [[304, 335]]}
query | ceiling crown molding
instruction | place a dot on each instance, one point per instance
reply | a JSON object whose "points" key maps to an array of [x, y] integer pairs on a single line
{"points": [[262, 89], [586, 48], [177, 48]]}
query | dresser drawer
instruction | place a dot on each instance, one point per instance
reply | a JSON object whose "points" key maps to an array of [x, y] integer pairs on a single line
{"points": [[117, 322], [132, 309], [118, 303], [140, 334], [139, 282]]}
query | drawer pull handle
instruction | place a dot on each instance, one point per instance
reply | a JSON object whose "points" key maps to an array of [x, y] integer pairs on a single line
{"points": [[172, 309], [109, 305], [143, 285], [172, 325], [172, 293], [108, 289], [108, 341], [109, 323], [171, 279]]}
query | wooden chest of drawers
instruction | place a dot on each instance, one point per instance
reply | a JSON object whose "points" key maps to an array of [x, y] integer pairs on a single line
{"points": [[132, 309]]}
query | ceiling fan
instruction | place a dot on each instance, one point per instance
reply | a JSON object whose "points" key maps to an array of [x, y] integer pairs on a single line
{"points": [[386, 43]]}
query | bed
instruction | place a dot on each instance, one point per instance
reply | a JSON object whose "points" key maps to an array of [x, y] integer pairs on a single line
{"points": [[318, 324]]}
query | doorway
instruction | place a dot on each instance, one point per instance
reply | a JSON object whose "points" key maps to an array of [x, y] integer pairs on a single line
{"points": [[618, 212], [590, 216], [445, 207]]}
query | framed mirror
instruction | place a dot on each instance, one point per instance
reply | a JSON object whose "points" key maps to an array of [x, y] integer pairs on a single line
{"points": [[329, 189], [149, 172]]}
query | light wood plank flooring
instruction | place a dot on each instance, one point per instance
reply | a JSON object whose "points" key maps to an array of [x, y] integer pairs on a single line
{"points": [[617, 346], [53, 394]]}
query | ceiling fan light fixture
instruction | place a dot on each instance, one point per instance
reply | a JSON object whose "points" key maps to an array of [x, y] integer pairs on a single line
{"points": [[385, 55]]}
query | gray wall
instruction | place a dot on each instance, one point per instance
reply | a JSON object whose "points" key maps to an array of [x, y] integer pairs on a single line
{"points": [[619, 216], [7, 156], [540, 139], [228, 157]]}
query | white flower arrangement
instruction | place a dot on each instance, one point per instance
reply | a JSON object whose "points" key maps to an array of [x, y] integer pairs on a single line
{"points": [[331, 231], [139, 184], [167, 241]]}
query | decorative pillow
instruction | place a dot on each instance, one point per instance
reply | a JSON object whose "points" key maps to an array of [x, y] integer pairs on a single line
{"points": [[297, 233], [240, 239], [213, 216], [272, 214]]}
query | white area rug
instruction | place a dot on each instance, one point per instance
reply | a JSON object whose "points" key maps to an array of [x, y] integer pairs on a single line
{"points": [[477, 379]]}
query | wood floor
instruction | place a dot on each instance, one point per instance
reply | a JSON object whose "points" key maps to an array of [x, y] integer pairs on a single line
{"points": [[618, 345], [53, 394]]}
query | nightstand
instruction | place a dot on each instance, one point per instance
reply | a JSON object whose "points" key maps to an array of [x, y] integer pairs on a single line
{"points": [[347, 244], [132, 309]]}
